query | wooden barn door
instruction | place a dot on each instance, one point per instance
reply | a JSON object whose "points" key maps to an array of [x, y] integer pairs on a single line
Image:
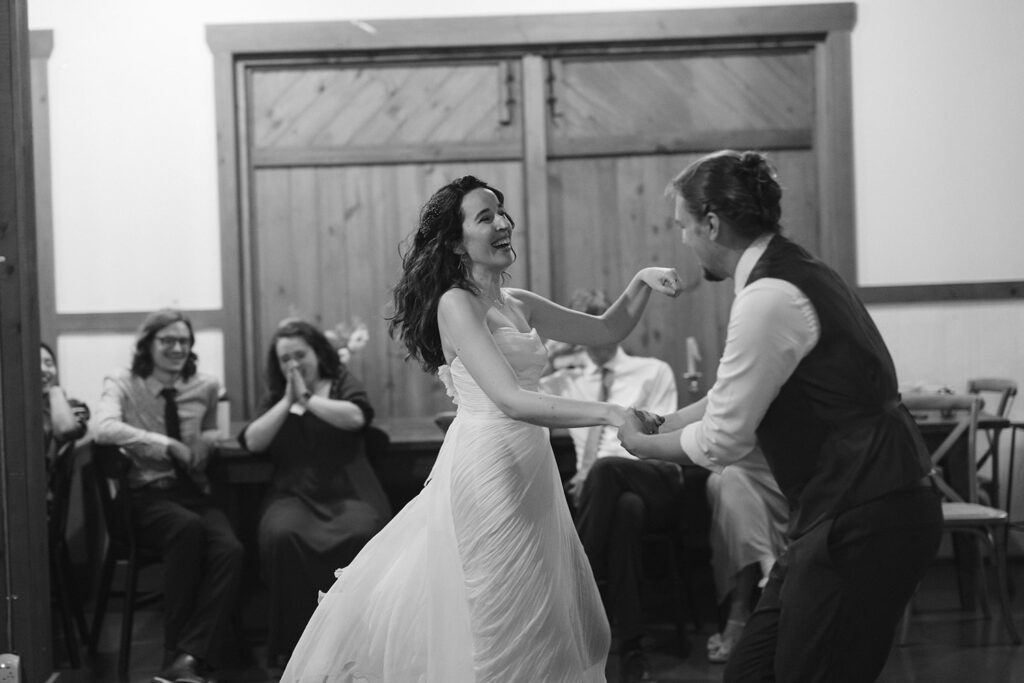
{"points": [[620, 127], [332, 135], [343, 157]]}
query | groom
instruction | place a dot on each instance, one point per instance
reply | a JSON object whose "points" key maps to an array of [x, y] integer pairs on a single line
{"points": [[806, 374]]}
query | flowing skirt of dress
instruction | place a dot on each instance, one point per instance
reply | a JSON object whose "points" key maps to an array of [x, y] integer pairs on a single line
{"points": [[481, 577]]}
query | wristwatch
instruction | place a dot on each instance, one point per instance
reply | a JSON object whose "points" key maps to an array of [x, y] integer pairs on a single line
{"points": [[306, 395]]}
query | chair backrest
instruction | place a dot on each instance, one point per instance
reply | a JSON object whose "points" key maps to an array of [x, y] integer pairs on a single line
{"points": [[378, 443], [110, 468], [62, 473], [1006, 388], [965, 408]]}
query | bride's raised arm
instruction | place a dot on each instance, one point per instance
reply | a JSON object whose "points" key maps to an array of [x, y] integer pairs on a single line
{"points": [[575, 327], [464, 331]]}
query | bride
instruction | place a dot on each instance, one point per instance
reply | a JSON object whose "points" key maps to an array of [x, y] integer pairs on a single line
{"points": [[481, 577]]}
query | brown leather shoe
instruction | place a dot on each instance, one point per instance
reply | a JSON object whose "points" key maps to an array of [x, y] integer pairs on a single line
{"points": [[184, 669]]}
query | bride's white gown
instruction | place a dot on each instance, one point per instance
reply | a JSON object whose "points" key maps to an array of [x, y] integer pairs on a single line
{"points": [[481, 577]]}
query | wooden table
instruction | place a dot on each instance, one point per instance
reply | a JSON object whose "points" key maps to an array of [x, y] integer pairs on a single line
{"points": [[414, 444]]}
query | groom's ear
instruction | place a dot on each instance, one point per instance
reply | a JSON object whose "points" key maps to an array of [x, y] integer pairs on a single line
{"points": [[714, 226]]}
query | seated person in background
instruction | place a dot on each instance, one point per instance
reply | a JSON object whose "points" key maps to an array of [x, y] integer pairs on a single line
{"points": [[324, 502], [64, 419], [618, 497], [748, 525], [163, 414]]}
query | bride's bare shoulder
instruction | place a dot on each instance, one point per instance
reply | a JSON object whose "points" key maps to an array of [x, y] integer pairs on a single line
{"points": [[458, 302]]}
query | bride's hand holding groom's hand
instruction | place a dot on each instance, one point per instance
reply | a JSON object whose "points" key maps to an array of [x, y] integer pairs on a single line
{"points": [[637, 423]]}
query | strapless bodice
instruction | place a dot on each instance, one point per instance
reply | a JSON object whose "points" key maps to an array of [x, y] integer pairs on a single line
{"points": [[524, 351]]}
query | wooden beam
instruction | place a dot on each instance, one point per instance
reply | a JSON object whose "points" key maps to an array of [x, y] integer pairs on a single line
{"points": [[834, 143], [278, 157], [960, 291], [24, 569], [535, 178], [127, 322], [699, 141], [549, 29], [41, 47], [234, 258]]}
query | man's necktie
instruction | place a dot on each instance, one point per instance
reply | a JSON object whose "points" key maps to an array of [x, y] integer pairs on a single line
{"points": [[594, 435], [172, 425]]}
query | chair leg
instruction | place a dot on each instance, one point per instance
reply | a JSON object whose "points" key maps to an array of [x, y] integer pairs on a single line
{"points": [[102, 596], [673, 567], [61, 585], [999, 560], [76, 603], [691, 599], [127, 618], [981, 585]]}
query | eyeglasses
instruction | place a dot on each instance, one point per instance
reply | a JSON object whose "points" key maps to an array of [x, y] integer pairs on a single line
{"points": [[169, 342]]}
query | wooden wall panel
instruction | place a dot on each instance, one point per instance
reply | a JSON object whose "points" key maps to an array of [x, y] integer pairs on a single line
{"points": [[377, 106], [653, 102], [326, 249], [609, 218], [798, 176], [362, 128]]}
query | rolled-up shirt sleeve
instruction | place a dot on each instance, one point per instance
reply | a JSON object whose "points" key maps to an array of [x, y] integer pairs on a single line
{"points": [[772, 327], [112, 429]]}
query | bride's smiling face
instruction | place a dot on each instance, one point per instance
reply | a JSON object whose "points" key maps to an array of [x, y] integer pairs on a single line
{"points": [[486, 231]]}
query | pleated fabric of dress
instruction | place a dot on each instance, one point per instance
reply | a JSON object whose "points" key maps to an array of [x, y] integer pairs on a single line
{"points": [[481, 577]]}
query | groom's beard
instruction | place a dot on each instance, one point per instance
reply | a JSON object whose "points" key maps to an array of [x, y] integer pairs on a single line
{"points": [[711, 277]]}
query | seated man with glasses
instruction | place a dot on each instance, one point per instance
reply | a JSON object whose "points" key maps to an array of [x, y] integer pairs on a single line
{"points": [[163, 414], [617, 498]]}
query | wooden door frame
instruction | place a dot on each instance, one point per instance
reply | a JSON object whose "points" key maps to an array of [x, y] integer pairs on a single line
{"points": [[236, 46], [24, 566]]}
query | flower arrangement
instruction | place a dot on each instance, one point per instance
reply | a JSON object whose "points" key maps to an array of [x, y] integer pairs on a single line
{"points": [[348, 338]]}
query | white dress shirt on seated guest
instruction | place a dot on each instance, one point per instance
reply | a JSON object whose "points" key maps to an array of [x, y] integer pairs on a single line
{"points": [[647, 383], [131, 415], [772, 327]]}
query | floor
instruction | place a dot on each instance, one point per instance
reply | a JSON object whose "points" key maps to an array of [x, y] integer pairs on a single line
{"points": [[945, 644]]}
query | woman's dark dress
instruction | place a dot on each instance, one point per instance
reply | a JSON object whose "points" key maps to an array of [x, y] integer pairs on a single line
{"points": [[324, 504]]}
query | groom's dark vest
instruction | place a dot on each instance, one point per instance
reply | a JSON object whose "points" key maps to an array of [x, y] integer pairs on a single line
{"points": [[836, 435]]}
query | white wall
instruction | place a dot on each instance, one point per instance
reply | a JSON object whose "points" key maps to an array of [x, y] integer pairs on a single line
{"points": [[938, 106]]}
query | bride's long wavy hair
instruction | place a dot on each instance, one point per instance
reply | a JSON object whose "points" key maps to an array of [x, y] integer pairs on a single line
{"points": [[430, 267]]}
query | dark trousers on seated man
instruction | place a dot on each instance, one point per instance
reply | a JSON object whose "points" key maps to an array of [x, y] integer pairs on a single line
{"points": [[202, 564], [621, 499]]}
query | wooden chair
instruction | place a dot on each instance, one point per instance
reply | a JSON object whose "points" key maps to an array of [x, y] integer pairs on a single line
{"points": [[110, 467], [983, 522], [669, 544], [66, 599], [1004, 391]]}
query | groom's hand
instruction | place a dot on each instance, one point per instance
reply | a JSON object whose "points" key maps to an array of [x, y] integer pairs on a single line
{"points": [[664, 280], [651, 421]]}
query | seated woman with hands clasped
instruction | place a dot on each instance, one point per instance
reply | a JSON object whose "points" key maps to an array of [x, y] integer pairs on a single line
{"points": [[324, 501]]}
